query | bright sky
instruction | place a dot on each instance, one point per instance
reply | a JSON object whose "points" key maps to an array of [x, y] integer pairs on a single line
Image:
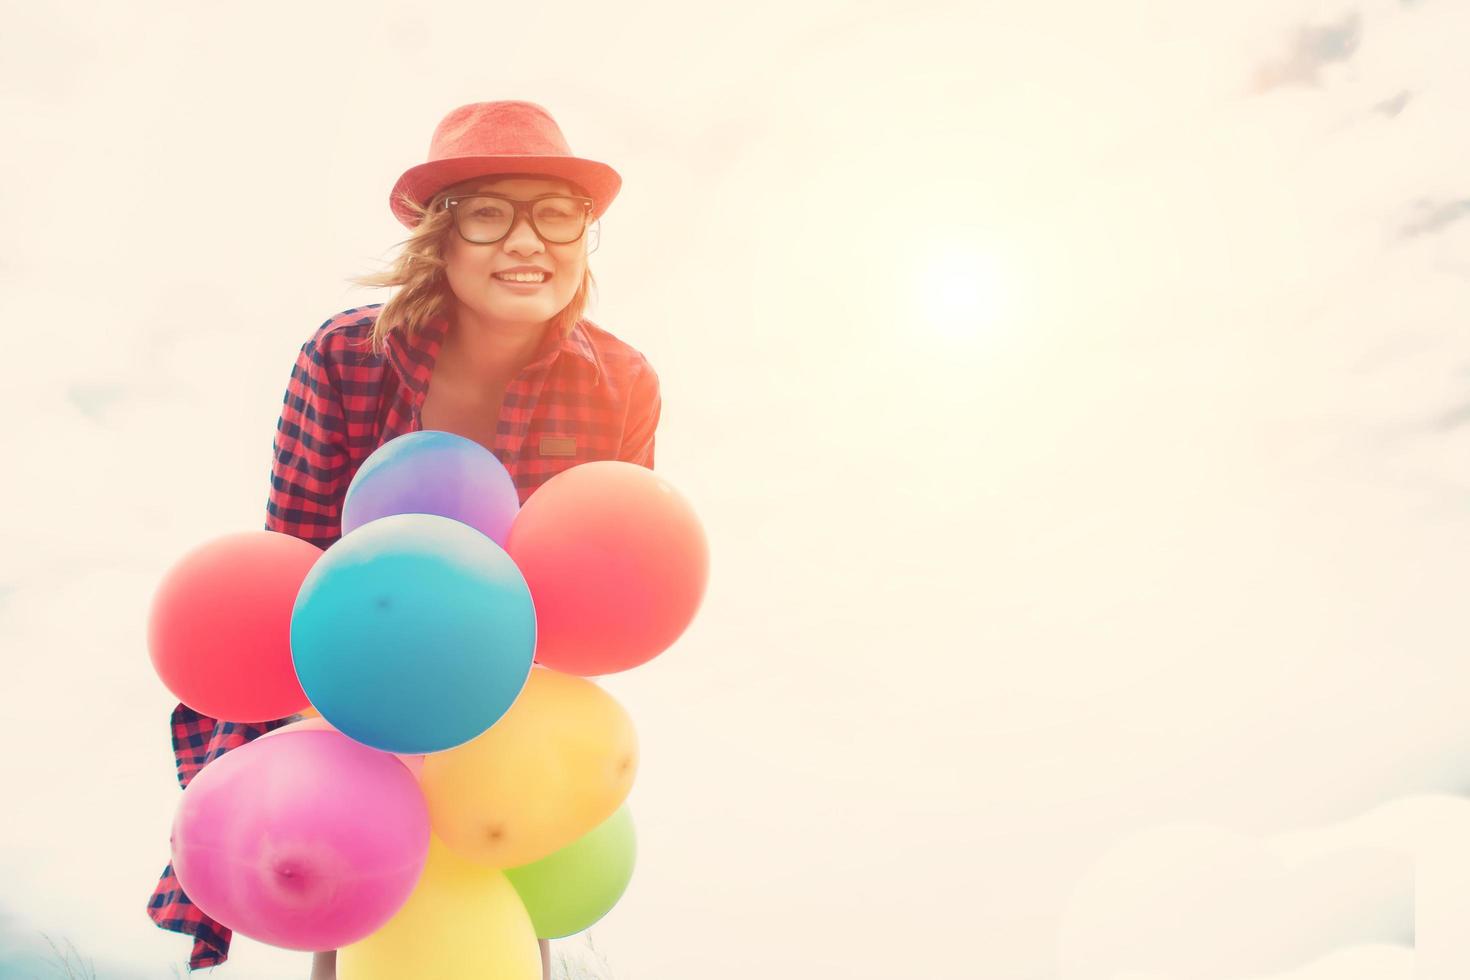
{"points": [[1074, 395]]}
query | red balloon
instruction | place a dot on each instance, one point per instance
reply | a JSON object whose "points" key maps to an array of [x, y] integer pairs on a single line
{"points": [[219, 630], [616, 561]]}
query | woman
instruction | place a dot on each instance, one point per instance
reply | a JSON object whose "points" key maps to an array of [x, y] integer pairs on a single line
{"points": [[485, 337]]}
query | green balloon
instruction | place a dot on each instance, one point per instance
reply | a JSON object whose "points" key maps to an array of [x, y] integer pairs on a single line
{"points": [[571, 889]]}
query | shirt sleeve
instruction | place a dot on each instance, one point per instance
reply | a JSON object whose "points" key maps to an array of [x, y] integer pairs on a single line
{"points": [[645, 405], [309, 466], [308, 473]]}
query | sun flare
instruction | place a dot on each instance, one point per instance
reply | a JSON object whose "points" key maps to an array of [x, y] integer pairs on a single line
{"points": [[960, 290]]}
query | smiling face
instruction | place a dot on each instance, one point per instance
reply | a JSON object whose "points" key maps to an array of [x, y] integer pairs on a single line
{"points": [[478, 297]]}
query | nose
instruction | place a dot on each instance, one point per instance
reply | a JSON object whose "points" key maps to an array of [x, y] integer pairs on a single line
{"points": [[522, 238]]}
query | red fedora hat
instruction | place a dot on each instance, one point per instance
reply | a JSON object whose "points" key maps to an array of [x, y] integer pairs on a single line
{"points": [[508, 137]]}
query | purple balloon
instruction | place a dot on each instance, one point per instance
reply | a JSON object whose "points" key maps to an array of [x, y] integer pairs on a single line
{"points": [[307, 840], [433, 472]]}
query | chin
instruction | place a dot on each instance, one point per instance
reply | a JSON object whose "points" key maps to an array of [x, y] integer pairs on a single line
{"points": [[523, 314]]}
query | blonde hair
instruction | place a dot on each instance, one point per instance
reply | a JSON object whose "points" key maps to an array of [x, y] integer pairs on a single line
{"points": [[418, 271]]}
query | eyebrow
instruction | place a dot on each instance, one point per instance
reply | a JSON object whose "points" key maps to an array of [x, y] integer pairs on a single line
{"points": [[491, 190]]}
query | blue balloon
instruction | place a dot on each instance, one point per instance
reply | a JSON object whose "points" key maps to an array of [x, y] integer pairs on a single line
{"points": [[413, 634], [433, 472]]}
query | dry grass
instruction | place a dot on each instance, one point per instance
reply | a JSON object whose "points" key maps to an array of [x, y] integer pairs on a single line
{"points": [[582, 962], [72, 966], [570, 961], [68, 963]]}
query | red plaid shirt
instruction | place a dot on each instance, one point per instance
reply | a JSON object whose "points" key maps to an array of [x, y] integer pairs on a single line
{"points": [[589, 390]]}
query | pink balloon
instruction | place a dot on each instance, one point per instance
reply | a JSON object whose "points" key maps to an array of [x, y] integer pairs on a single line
{"points": [[316, 723], [308, 841]]}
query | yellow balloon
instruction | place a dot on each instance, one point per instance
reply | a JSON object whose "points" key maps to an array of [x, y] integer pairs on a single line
{"points": [[464, 921], [556, 765]]}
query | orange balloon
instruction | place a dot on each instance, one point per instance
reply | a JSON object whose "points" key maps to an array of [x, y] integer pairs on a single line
{"points": [[219, 629], [554, 767], [616, 561]]}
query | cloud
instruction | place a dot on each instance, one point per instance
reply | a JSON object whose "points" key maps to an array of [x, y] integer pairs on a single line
{"points": [[1202, 902], [1435, 217], [1393, 106], [93, 400], [1373, 962], [1452, 420], [1312, 49], [1349, 899]]}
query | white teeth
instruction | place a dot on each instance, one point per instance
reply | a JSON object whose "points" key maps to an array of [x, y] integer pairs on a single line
{"points": [[521, 276]]}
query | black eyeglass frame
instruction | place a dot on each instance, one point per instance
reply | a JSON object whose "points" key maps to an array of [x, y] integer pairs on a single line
{"points": [[520, 208]]}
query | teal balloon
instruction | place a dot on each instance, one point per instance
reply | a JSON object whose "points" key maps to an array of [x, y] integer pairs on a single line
{"points": [[571, 889], [413, 633]]}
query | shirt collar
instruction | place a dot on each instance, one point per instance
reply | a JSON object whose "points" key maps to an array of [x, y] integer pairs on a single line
{"points": [[414, 357]]}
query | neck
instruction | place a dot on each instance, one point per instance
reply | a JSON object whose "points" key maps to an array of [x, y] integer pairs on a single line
{"points": [[491, 351]]}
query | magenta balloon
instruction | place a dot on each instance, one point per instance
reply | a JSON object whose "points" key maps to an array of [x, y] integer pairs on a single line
{"points": [[308, 840], [433, 472]]}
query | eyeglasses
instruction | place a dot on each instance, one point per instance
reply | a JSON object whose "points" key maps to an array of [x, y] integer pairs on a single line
{"points": [[483, 219]]}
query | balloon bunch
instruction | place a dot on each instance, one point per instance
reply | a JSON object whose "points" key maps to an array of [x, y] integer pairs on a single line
{"points": [[459, 788]]}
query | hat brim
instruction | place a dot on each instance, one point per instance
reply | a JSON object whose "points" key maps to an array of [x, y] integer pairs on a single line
{"points": [[600, 181]]}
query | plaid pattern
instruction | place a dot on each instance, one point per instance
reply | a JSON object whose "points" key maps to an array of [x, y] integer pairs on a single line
{"points": [[587, 396], [198, 740]]}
